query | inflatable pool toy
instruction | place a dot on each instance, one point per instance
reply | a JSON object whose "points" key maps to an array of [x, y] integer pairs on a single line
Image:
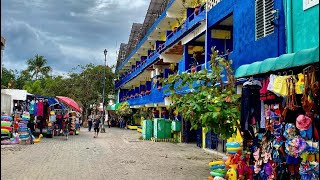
{"points": [[22, 129], [232, 173], [232, 144], [215, 174], [221, 171], [6, 118], [234, 149], [7, 127], [218, 166], [4, 131], [232, 152], [5, 123], [38, 139], [215, 163], [218, 178]]}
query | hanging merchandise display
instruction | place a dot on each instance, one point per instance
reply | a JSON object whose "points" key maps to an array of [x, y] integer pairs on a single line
{"points": [[6, 129], [24, 132], [279, 124]]}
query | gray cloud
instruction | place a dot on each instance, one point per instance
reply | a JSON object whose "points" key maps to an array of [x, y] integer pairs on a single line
{"points": [[67, 32]]}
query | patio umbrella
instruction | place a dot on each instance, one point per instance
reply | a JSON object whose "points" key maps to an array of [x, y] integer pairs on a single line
{"points": [[69, 102]]}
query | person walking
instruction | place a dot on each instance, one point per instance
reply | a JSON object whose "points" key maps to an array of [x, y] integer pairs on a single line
{"points": [[96, 126], [90, 119]]}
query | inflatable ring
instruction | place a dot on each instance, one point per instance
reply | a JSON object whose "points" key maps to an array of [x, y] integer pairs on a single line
{"points": [[232, 152], [4, 131], [232, 144], [23, 129], [215, 174], [6, 127], [215, 163], [218, 166], [5, 123], [221, 171], [234, 149], [6, 118]]}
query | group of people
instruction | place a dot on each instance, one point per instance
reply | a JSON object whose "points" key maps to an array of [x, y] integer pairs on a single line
{"points": [[95, 122]]}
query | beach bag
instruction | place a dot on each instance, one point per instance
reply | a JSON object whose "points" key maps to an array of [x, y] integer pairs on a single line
{"points": [[291, 109], [310, 91]]}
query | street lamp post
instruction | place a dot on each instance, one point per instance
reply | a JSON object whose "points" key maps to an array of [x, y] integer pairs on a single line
{"points": [[103, 130]]}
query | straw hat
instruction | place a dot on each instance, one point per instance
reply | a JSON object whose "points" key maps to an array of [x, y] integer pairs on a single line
{"points": [[303, 122]]}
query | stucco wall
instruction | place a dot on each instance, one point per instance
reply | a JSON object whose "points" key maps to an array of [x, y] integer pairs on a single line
{"points": [[246, 49], [305, 26]]}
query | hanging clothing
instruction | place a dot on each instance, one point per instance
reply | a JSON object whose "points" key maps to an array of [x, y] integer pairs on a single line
{"points": [[265, 94], [280, 86], [31, 109], [35, 108], [46, 109], [40, 108], [300, 84], [250, 107]]}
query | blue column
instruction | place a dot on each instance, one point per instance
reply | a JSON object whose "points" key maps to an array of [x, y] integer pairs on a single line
{"points": [[186, 58], [208, 45]]}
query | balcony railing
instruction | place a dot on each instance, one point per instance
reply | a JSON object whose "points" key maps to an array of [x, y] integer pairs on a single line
{"points": [[155, 96], [185, 27], [139, 69]]}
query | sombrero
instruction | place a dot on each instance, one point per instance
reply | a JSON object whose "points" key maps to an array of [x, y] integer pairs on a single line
{"points": [[303, 122]]}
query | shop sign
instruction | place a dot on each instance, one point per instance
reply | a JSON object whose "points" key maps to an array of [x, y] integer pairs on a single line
{"points": [[309, 3]]}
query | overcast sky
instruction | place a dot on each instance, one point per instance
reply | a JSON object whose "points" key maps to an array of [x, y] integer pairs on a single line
{"points": [[67, 32]]}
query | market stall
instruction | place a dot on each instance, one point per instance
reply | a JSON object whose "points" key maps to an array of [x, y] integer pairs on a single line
{"points": [[279, 121]]}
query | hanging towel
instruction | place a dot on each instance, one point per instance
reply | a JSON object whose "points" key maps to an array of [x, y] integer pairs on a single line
{"points": [[40, 108], [35, 108], [31, 109]]}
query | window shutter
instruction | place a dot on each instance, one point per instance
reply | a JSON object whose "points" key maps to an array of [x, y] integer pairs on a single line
{"points": [[264, 16]]}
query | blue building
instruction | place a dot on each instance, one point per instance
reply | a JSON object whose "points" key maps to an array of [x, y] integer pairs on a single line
{"points": [[176, 33]]}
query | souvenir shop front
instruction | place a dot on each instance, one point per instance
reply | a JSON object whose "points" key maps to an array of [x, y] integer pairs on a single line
{"points": [[279, 121], [280, 116]]}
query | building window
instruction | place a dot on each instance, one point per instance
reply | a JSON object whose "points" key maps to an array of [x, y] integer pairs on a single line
{"points": [[264, 17], [123, 54]]}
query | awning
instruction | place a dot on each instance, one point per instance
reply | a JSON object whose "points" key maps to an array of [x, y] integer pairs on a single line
{"points": [[285, 61], [113, 107]]}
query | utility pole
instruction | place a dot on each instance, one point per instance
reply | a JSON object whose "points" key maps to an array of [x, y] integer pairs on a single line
{"points": [[103, 129]]}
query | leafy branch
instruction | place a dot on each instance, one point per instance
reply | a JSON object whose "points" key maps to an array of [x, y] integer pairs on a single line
{"points": [[211, 102]]}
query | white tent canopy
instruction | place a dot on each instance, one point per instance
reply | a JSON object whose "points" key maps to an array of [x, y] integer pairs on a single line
{"points": [[16, 94]]}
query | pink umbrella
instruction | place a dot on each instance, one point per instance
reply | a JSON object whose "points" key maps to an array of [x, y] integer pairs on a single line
{"points": [[69, 102]]}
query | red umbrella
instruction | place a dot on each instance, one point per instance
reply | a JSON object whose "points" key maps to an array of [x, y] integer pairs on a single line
{"points": [[69, 102]]}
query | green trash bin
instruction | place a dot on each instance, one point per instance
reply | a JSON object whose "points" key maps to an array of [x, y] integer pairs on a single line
{"points": [[176, 126], [159, 128], [167, 131], [147, 129]]}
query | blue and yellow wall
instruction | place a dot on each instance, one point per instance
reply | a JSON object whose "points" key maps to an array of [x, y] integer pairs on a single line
{"points": [[230, 24]]}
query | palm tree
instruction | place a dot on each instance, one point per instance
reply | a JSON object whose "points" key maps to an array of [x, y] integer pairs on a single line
{"points": [[37, 66]]}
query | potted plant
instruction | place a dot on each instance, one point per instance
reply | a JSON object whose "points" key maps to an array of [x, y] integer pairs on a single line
{"points": [[197, 9], [155, 111], [164, 111], [194, 66]]}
